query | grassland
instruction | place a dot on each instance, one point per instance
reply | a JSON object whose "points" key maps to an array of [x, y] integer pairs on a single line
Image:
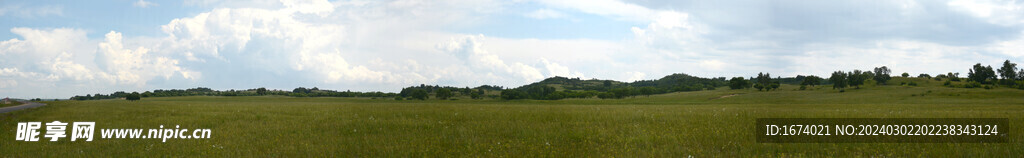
{"points": [[715, 123], [12, 103]]}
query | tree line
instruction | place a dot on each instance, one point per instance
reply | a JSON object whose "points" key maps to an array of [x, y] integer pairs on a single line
{"points": [[556, 88]]}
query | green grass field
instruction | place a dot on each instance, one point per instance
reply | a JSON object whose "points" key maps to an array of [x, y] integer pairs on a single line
{"points": [[12, 103], [717, 123]]}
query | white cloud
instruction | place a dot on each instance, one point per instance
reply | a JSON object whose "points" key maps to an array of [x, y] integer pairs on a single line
{"points": [[32, 12], [135, 66], [385, 45], [144, 4], [1003, 12], [555, 69], [612, 8], [318, 7], [470, 49], [1013, 48], [901, 56], [714, 65], [62, 66], [635, 76], [545, 14]]}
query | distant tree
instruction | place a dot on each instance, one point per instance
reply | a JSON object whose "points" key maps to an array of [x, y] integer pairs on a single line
{"points": [[1020, 75], [838, 80], [981, 74], [881, 75], [134, 96], [905, 75], [622, 92], [300, 90], [261, 91], [647, 91], [953, 76], [512, 94], [419, 94], [1008, 72], [607, 83], [738, 83], [474, 95], [924, 76], [605, 95], [857, 78], [775, 85], [811, 81], [763, 81], [443, 93]]}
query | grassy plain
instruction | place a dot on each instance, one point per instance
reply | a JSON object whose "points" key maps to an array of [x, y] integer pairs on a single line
{"points": [[717, 123], [12, 103]]}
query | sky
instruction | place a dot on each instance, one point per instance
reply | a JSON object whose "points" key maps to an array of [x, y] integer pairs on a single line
{"points": [[57, 49]]}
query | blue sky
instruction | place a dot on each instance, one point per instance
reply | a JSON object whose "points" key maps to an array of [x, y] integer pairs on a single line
{"points": [[57, 49]]}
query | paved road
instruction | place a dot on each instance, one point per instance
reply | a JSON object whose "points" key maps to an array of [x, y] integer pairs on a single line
{"points": [[22, 106]]}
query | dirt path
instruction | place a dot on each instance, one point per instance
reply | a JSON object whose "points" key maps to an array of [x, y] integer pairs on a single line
{"points": [[25, 105], [724, 96]]}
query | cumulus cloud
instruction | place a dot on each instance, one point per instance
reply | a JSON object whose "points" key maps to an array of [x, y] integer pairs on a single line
{"points": [[135, 66], [470, 50], [555, 69], [318, 7]]}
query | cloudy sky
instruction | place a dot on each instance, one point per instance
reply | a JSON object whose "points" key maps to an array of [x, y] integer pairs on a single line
{"points": [[56, 49]]}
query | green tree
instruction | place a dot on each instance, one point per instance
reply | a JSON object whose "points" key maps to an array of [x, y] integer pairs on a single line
{"points": [[647, 91], [838, 80], [261, 91], [1008, 72], [904, 75], [857, 78], [953, 76], [474, 95], [981, 74], [443, 93], [513, 94], [622, 92], [924, 76], [763, 81], [134, 96], [605, 95], [881, 75], [811, 80], [419, 94], [738, 83]]}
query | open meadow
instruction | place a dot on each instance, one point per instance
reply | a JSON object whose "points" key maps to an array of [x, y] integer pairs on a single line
{"points": [[701, 124]]}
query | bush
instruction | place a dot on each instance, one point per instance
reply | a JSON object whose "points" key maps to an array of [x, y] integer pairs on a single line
{"points": [[972, 84], [475, 95], [605, 95], [912, 84], [133, 97], [512, 94]]}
